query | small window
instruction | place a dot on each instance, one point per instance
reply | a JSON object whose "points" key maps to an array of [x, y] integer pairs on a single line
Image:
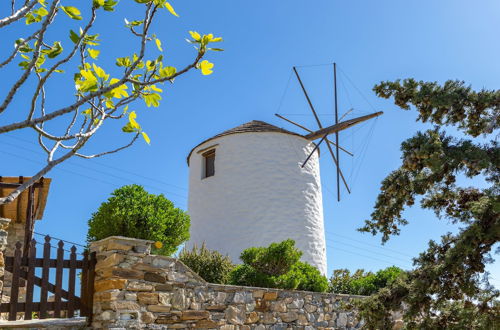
{"points": [[209, 162]]}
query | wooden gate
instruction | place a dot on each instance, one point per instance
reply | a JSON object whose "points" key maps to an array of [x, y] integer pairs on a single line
{"points": [[65, 302]]}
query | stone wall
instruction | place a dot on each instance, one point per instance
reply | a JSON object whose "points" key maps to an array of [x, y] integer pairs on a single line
{"points": [[13, 232], [4, 224], [134, 289]]}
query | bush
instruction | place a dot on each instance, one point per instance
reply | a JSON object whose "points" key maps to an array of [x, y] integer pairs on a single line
{"points": [[212, 266], [277, 266], [304, 277], [274, 260], [361, 282], [133, 212]]}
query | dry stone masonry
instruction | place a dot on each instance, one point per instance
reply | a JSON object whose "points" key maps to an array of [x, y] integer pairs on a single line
{"points": [[137, 290]]}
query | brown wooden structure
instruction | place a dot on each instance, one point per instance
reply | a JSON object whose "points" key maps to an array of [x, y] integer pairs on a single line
{"points": [[28, 206], [66, 301]]}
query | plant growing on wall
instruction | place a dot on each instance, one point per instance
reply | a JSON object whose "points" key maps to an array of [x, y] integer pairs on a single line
{"points": [[361, 282], [102, 93], [448, 287], [212, 266], [133, 212], [277, 266]]}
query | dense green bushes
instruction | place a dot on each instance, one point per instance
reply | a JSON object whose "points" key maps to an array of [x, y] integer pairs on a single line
{"points": [[361, 282], [277, 266], [133, 212], [212, 266]]}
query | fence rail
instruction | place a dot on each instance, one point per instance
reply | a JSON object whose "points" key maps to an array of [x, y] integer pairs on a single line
{"points": [[23, 275]]}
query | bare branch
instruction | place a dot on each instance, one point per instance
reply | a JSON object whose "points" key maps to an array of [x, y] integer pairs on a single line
{"points": [[109, 152], [16, 192], [18, 14], [36, 54]]}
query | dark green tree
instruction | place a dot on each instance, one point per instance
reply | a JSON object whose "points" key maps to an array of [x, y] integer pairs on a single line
{"points": [[448, 287], [211, 265], [133, 212], [361, 282]]}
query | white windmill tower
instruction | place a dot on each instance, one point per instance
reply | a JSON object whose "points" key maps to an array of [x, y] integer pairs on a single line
{"points": [[257, 184]]}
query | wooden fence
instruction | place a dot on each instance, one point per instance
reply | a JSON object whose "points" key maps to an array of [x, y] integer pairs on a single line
{"points": [[66, 302]]}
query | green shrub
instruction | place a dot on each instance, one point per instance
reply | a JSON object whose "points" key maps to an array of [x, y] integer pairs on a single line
{"points": [[361, 282], [274, 260], [277, 266], [133, 212], [212, 266], [304, 277]]}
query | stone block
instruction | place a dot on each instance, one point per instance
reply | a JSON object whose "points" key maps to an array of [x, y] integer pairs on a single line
{"points": [[122, 305], [164, 287], [147, 317], [219, 308], [206, 324], [106, 295], [289, 316], [110, 261], [252, 317], [194, 315], [158, 309], [279, 306], [109, 284], [148, 298], [258, 293], [155, 277], [270, 296], [139, 286], [236, 315]]}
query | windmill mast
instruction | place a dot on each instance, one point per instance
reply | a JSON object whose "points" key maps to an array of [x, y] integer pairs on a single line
{"points": [[336, 133], [323, 132]]}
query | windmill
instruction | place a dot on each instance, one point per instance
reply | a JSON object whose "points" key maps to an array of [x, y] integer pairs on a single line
{"points": [[323, 132]]}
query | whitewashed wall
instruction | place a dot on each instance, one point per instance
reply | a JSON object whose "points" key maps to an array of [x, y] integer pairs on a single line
{"points": [[258, 195]]}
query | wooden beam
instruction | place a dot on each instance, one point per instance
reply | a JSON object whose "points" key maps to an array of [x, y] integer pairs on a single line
{"points": [[340, 126], [311, 131]]}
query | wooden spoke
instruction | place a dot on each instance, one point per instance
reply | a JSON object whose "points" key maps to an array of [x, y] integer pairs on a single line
{"points": [[337, 164], [313, 151], [311, 131], [341, 126]]}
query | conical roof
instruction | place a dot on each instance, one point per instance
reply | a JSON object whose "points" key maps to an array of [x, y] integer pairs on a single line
{"points": [[250, 127]]}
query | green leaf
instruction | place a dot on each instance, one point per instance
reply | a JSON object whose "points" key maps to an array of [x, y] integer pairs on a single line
{"points": [[152, 99], [54, 51], [72, 12], [73, 36], [100, 72], [158, 44], [167, 71], [146, 137], [109, 5], [119, 91], [170, 9], [94, 53], [133, 23], [123, 61]]}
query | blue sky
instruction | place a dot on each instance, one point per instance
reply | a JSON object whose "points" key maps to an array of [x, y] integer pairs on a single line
{"points": [[370, 40]]}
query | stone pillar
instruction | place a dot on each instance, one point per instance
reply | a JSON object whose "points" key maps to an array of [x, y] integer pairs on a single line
{"points": [[117, 257], [4, 224], [12, 232]]}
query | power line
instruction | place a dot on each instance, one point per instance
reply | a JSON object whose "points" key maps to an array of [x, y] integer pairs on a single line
{"points": [[60, 239], [369, 257], [369, 244], [109, 166], [92, 169], [370, 251]]}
